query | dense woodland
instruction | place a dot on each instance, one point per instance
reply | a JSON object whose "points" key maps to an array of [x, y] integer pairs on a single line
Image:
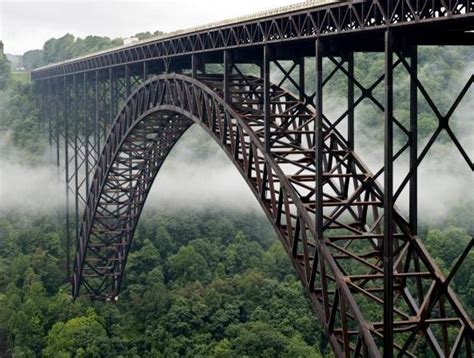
{"points": [[200, 283], [68, 46]]}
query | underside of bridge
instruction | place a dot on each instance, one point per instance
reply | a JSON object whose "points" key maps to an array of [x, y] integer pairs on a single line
{"points": [[373, 285]]}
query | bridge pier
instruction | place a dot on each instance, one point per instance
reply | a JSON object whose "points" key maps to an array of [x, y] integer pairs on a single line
{"points": [[388, 228], [265, 75], [413, 190]]}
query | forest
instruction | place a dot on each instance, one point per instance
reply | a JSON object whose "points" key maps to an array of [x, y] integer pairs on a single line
{"points": [[201, 282]]}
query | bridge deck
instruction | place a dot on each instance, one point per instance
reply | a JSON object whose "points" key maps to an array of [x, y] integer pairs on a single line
{"points": [[206, 27], [291, 23]]}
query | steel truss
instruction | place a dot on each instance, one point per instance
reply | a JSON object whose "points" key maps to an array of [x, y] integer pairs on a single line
{"points": [[79, 111], [280, 146], [340, 17], [284, 146], [114, 118]]}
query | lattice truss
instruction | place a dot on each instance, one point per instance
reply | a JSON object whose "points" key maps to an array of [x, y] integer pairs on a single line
{"points": [[358, 256], [333, 17], [335, 244], [80, 110]]}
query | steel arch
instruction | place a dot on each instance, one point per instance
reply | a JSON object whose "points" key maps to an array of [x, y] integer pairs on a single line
{"points": [[277, 160]]}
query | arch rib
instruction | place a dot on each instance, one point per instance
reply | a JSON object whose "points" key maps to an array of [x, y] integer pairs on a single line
{"points": [[283, 180]]}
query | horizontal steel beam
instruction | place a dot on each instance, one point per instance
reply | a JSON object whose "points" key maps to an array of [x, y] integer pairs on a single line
{"points": [[332, 20]]}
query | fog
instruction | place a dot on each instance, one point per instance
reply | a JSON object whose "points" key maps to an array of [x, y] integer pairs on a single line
{"points": [[198, 174], [186, 180], [26, 187], [200, 180], [445, 180]]}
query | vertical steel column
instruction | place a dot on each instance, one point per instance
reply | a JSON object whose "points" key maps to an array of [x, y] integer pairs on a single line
{"points": [[301, 79], [413, 189], [66, 161], [350, 101], [56, 101], [42, 86], [227, 73], [227, 96], [36, 89], [194, 65], [388, 199], [166, 65], [145, 71], [128, 92], [97, 116], [128, 86], [318, 166], [113, 105], [349, 57], [86, 114], [318, 139], [49, 100], [76, 153], [266, 95], [302, 90]]}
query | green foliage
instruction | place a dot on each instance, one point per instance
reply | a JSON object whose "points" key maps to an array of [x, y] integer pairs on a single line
{"points": [[464, 281], [56, 50], [197, 285], [20, 120], [68, 46], [22, 77], [188, 266], [82, 336], [33, 59], [65, 48], [446, 246], [147, 35], [5, 69]]}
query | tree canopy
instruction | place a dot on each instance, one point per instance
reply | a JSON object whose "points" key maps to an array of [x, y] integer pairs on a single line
{"points": [[199, 283]]}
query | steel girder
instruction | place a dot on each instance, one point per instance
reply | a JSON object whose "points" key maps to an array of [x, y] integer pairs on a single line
{"points": [[340, 17], [326, 206]]}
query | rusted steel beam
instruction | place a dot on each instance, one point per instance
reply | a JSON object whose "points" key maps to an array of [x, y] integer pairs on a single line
{"points": [[332, 20]]}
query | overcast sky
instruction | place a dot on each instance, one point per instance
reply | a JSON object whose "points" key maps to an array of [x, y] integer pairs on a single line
{"points": [[27, 24]]}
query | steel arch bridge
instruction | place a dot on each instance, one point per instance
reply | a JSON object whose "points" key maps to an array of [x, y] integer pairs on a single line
{"points": [[114, 116]]}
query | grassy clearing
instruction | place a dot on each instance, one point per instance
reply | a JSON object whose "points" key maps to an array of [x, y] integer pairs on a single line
{"points": [[21, 76]]}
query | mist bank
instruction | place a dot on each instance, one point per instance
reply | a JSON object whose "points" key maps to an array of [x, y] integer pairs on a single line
{"points": [[28, 186], [198, 175]]}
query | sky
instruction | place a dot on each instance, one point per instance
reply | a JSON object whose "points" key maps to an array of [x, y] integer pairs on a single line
{"points": [[27, 24]]}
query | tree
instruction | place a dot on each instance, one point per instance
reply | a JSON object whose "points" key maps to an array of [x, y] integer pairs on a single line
{"points": [[147, 35], [242, 254], [164, 242], [82, 336], [257, 339], [143, 261], [56, 50], [5, 69], [33, 59], [464, 281], [188, 266], [446, 245], [67, 47]]}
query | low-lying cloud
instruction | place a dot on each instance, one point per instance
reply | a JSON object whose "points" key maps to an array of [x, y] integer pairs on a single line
{"points": [[25, 186], [199, 181]]}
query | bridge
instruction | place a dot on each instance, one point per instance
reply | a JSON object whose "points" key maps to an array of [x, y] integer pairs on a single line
{"points": [[114, 117]]}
